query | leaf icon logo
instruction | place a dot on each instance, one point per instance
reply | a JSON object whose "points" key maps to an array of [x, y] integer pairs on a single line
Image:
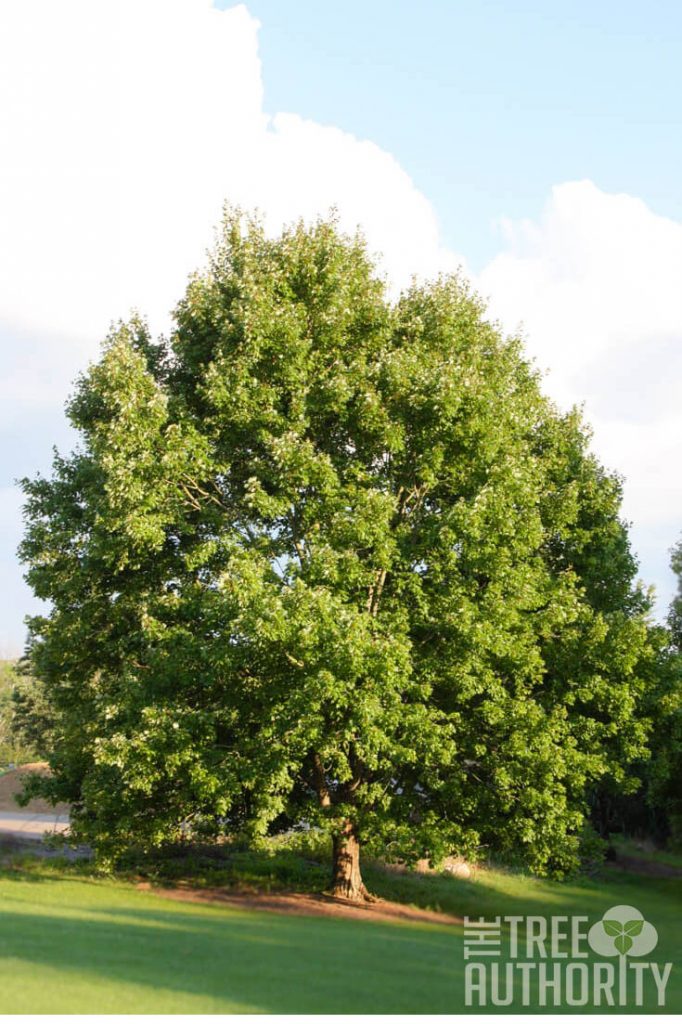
{"points": [[622, 930]]}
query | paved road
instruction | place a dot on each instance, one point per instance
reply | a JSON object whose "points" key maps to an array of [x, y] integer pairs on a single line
{"points": [[27, 825]]}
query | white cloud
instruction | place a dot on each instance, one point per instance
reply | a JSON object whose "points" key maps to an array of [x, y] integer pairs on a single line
{"points": [[597, 277], [125, 126], [596, 286], [118, 121], [323, 166]]}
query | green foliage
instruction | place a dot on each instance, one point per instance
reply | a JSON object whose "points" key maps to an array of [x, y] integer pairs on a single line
{"points": [[650, 803], [329, 558], [25, 719], [33, 716], [299, 862], [675, 617], [8, 680], [664, 793]]}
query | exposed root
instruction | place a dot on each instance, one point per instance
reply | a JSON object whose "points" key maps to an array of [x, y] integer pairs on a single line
{"points": [[353, 894]]}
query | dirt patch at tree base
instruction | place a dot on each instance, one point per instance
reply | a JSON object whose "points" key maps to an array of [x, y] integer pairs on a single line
{"points": [[303, 904]]}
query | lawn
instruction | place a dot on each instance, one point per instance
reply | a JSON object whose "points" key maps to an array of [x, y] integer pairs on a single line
{"points": [[77, 944]]}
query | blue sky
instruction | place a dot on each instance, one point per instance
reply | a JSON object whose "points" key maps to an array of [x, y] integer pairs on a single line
{"points": [[536, 144], [488, 104]]}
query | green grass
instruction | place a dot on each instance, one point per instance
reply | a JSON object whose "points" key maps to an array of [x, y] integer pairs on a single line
{"points": [[73, 943], [501, 893]]}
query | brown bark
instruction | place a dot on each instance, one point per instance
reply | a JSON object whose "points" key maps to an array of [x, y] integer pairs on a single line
{"points": [[323, 794], [346, 878]]}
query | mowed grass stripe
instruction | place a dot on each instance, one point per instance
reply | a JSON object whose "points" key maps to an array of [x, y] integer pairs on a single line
{"points": [[69, 946]]}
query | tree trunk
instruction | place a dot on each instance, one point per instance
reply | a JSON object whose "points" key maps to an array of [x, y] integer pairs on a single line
{"points": [[346, 878]]}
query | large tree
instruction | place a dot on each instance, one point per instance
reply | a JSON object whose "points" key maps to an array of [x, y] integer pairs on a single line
{"points": [[332, 559]]}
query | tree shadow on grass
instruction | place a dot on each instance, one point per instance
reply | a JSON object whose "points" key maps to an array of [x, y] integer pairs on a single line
{"points": [[233, 960]]}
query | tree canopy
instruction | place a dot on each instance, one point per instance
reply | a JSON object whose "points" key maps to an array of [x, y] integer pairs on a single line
{"points": [[325, 559]]}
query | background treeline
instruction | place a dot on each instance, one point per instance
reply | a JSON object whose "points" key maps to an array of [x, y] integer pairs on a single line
{"points": [[649, 801], [27, 719]]}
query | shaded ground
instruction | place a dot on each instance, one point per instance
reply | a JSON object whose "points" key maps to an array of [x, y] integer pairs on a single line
{"points": [[248, 897], [18, 845], [645, 866], [644, 856], [304, 904]]}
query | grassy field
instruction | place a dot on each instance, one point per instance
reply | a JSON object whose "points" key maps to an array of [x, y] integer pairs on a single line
{"points": [[79, 946], [76, 944]]}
